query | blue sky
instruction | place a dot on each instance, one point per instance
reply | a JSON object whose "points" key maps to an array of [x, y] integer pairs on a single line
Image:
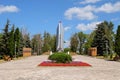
{"points": [[38, 16]]}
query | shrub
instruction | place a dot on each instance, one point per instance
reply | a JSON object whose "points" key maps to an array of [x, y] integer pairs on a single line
{"points": [[7, 57], [66, 50], [116, 58], [60, 57]]}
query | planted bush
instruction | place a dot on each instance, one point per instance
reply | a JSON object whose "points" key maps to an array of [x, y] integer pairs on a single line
{"points": [[60, 57]]}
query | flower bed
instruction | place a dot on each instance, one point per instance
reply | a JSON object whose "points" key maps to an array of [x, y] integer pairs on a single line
{"points": [[73, 63]]}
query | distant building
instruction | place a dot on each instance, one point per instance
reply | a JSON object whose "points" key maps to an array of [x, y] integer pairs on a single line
{"points": [[59, 37]]}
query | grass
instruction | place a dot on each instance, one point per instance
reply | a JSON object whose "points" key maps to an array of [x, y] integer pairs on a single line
{"points": [[1, 61], [100, 57]]}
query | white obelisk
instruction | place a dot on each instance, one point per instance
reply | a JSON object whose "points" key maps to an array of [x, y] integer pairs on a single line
{"points": [[59, 37]]}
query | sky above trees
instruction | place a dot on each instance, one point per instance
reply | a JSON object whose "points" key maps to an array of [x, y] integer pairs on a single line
{"points": [[38, 16]]}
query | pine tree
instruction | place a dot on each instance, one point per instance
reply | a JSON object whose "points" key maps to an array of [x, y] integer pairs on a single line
{"points": [[1, 51], [109, 34], [5, 39], [11, 44], [103, 39], [99, 39], [17, 41], [21, 45], [117, 41]]}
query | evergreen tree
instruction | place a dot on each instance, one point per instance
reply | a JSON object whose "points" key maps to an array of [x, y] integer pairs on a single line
{"points": [[1, 51], [17, 41], [103, 38], [5, 39], [117, 41], [21, 44], [109, 34], [99, 40], [11, 44]]}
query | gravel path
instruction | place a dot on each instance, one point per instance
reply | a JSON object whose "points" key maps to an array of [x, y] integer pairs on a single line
{"points": [[27, 69]]}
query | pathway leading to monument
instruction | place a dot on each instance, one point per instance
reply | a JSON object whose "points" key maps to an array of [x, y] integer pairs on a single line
{"points": [[27, 69]]}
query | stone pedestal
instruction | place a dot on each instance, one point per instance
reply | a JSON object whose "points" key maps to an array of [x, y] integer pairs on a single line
{"points": [[93, 51], [26, 52]]}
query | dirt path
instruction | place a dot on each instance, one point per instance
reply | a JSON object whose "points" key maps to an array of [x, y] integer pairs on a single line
{"points": [[27, 69]]}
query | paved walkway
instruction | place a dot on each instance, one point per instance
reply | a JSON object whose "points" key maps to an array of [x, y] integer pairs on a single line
{"points": [[27, 69]]}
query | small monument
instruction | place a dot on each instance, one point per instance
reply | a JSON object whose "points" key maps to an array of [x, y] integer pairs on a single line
{"points": [[26, 52], [93, 51], [59, 38]]}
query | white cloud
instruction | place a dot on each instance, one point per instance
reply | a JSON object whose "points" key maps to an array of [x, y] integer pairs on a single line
{"points": [[89, 1], [10, 8], [115, 19], [67, 28], [85, 27], [88, 12], [84, 13], [109, 8]]}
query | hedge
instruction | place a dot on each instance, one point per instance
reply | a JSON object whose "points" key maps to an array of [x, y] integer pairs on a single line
{"points": [[60, 57]]}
